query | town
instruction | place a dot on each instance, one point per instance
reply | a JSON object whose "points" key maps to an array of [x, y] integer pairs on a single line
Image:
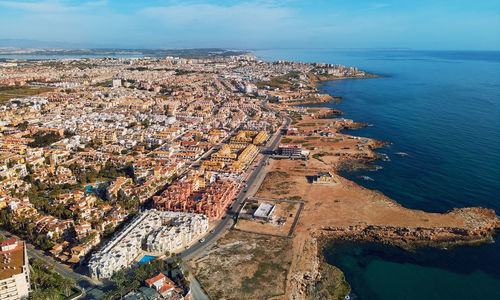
{"points": [[106, 163]]}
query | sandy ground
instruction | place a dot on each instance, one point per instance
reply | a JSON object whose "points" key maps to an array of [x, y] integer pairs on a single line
{"points": [[343, 203], [244, 266]]}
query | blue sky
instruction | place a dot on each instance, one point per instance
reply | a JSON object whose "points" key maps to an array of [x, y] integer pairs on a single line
{"points": [[416, 24]]}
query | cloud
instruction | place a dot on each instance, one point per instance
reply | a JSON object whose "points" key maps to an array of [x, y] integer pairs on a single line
{"points": [[380, 5], [51, 5], [213, 24], [240, 16]]}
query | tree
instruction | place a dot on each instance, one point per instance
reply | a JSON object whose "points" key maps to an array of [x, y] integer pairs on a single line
{"points": [[10, 164], [67, 284]]}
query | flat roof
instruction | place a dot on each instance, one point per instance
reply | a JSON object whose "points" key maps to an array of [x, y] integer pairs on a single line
{"points": [[264, 210], [290, 146], [16, 256]]}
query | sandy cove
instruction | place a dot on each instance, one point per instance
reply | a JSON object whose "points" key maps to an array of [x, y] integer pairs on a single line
{"points": [[345, 210]]}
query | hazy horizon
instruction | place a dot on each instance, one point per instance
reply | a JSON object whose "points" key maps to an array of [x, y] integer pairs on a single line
{"points": [[138, 48]]}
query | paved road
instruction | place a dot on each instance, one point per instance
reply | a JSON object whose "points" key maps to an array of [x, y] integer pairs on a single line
{"points": [[81, 280]]}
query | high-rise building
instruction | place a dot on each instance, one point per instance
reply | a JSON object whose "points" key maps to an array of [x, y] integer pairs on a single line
{"points": [[14, 270]]}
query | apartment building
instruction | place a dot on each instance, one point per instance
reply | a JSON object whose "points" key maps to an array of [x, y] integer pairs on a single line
{"points": [[160, 231], [14, 270], [290, 150], [211, 201]]}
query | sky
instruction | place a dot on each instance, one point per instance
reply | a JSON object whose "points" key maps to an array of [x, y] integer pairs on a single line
{"points": [[415, 24]]}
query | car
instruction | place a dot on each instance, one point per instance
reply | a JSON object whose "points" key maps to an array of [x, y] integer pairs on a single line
{"points": [[212, 231], [187, 247], [202, 240]]}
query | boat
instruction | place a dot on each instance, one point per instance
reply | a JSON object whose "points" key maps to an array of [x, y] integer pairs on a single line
{"points": [[401, 154]]}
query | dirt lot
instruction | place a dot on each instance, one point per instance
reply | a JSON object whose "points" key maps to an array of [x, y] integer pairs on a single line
{"points": [[341, 204], [244, 266], [7, 93], [344, 203]]}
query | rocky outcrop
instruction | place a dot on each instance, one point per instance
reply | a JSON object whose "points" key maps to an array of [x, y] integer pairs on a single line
{"points": [[319, 280], [481, 224], [328, 114]]}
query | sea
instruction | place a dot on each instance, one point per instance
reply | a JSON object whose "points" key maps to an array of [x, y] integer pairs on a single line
{"points": [[442, 108]]}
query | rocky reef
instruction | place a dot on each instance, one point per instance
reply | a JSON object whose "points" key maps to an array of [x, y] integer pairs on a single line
{"points": [[480, 225]]}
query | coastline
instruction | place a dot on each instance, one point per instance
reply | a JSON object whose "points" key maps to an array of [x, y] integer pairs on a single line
{"points": [[480, 226], [337, 210]]}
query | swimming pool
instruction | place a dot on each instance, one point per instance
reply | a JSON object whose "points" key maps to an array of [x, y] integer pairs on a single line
{"points": [[146, 258]]}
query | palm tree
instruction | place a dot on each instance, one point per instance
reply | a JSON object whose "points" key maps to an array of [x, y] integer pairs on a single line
{"points": [[66, 284]]}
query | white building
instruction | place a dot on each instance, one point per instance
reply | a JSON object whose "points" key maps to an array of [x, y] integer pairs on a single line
{"points": [[117, 83], [264, 211], [179, 229], [14, 270], [160, 231]]}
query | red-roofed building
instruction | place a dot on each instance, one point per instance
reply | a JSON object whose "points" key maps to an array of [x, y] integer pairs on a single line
{"points": [[162, 284]]}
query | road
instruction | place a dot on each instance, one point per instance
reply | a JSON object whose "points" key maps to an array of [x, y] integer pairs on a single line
{"points": [[81, 280]]}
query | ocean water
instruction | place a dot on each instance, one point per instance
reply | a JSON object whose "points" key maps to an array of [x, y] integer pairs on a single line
{"points": [[443, 109]]}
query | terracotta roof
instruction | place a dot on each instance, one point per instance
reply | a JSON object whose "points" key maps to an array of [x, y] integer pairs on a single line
{"points": [[8, 242], [154, 279]]}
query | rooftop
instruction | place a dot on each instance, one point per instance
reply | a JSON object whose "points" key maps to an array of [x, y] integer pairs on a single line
{"points": [[12, 261], [264, 210]]}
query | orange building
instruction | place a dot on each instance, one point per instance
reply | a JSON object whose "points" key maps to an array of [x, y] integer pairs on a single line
{"points": [[211, 201]]}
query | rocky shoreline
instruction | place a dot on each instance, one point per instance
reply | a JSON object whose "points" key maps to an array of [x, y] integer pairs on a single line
{"points": [[320, 78], [408, 237], [328, 114]]}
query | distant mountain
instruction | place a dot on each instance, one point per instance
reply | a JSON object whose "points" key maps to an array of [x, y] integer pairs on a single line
{"points": [[8, 49], [34, 44]]}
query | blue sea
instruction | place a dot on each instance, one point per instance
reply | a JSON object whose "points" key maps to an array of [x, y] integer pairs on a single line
{"points": [[443, 109]]}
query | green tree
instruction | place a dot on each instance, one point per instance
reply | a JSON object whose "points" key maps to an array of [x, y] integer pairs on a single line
{"points": [[67, 284]]}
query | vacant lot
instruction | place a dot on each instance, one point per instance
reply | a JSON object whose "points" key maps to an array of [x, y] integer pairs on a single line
{"points": [[244, 266], [9, 92]]}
